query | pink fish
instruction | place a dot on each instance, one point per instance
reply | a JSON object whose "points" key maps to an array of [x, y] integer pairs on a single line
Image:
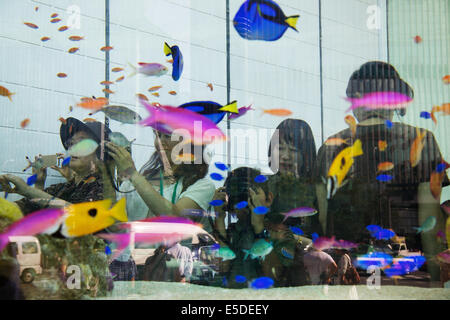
{"points": [[323, 243], [444, 256], [299, 212], [380, 100], [42, 221], [344, 244], [168, 119], [241, 112], [121, 239], [149, 69]]}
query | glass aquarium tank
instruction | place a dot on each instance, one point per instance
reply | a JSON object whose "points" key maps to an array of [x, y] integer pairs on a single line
{"points": [[226, 149]]}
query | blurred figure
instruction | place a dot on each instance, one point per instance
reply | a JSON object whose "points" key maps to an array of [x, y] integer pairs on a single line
{"points": [[365, 199], [9, 280], [320, 266], [183, 255]]}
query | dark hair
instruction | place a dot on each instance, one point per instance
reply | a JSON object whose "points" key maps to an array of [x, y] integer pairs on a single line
{"points": [[298, 133]]}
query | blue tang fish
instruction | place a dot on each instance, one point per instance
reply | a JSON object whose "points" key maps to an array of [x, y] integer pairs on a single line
{"points": [[425, 115], [216, 203], [177, 66], [241, 205], [297, 231], [216, 176], [389, 124], [107, 250], [262, 20], [32, 180], [260, 210], [240, 279], [210, 109], [314, 236], [66, 161], [221, 166], [260, 179], [384, 177], [261, 283]]}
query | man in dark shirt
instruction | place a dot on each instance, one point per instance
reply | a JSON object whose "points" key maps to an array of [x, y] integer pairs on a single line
{"points": [[401, 201]]}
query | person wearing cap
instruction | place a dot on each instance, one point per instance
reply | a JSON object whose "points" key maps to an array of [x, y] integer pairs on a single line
{"points": [[364, 200]]}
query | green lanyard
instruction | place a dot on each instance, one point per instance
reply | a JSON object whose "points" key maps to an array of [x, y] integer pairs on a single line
{"points": [[161, 187]]}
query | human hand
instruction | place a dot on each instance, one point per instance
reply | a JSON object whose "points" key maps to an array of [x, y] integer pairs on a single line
{"points": [[124, 162], [67, 173], [220, 194], [20, 186]]}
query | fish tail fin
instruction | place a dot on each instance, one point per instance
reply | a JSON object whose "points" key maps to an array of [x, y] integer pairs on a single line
{"points": [[9, 96], [433, 117], [357, 148], [3, 241], [285, 217], [246, 253], [292, 21], [133, 73], [119, 211], [419, 230], [231, 107], [167, 50], [152, 110]]}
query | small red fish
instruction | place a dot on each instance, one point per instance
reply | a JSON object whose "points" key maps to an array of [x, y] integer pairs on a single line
{"points": [[70, 129], [382, 145], [106, 83], [6, 93], [73, 50], [351, 121], [108, 91], [93, 103], [120, 78], [106, 48], [24, 123], [336, 141], [63, 28], [63, 121], [116, 69], [169, 61], [446, 79], [385, 166], [278, 112], [54, 15], [210, 86], [417, 39], [43, 39], [155, 88], [142, 96], [75, 38], [31, 25], [62, 75], [445, 109], [55, 20], [156, 94], [172, 92]]}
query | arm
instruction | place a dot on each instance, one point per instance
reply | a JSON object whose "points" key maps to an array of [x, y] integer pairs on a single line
{"points": [[321, 192], [429, 206]]}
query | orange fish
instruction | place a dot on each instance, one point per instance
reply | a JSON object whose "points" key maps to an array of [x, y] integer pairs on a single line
{"points": [[210, 86], [336, 141], [382, 145], [63, 121], [120, 78], [54, 15], [43, 39], [436, 180], [154, 88], [417, 146], [278, 112], [76, 38], [93, 103], [446, 79], [417, 39], [55, 20], [73, 50], [6, 93], [31, 25], [385, 166], [62, 75], [108, 91], [24, 123], [445, 109], [116, 69], [89, 120], [106, 83], [156, 94], [142, 96], [63, 28], [351, 121], [106, 48], [169, 61], [172, 92]]}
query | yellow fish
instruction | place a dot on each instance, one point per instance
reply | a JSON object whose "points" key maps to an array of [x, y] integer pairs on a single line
{"points": [[90, 217], [232, 107], [10, 210], [415, 154], [341, 166]]}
